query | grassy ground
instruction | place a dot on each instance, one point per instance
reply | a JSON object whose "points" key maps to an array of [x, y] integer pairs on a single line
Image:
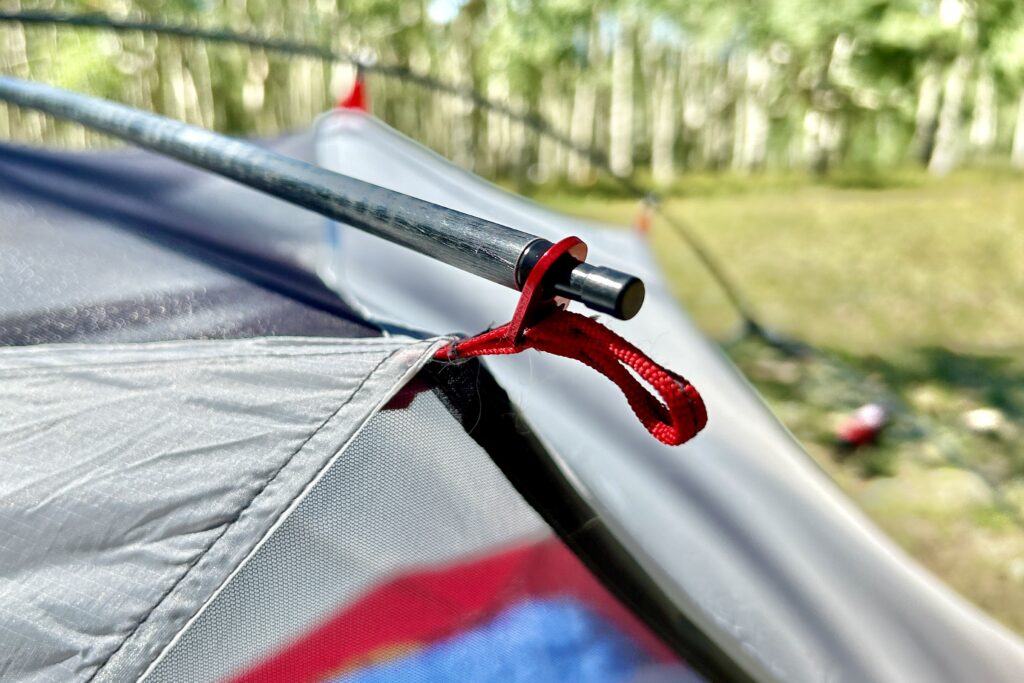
{"points": [[914, 290], [862, 270]]}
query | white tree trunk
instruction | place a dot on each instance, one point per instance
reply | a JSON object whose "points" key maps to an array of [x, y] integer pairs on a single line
{"points": [[460, 117], [584, 108], [716, 127], [693, 88], [518, 140], [581, 129], [1017, 153], [197, 65], [499, 128], [548, 149], [822, 136], [944, 155], [10, 45], [562, 111], [985, 115], [813, 155], [663, 127], [750, 143], [839, 71], [929, 95], [254, 88], [620, 155], [21, 123]]}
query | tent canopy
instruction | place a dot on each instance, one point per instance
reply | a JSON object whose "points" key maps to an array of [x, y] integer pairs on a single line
{"points": [[227, 455]]}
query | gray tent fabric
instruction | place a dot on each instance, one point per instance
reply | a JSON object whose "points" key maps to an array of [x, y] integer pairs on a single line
{"points": [[138, 477], [123, 246], [739, 527], [142, 480], [103, 250], [412, 490], [109, 248]]}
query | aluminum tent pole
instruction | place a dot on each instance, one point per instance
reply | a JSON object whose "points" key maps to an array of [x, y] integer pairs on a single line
{"points": [[495, 252]]}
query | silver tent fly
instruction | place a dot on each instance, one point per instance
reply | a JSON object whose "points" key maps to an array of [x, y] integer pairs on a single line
{"points": [[240, 441]]}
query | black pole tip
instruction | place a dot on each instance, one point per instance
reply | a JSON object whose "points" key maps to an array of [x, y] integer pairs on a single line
{"points": [[610, 291], [631, 300]]}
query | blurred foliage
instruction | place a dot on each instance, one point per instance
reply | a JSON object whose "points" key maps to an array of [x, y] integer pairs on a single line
{"points": [[922, 263], [712, 84]]}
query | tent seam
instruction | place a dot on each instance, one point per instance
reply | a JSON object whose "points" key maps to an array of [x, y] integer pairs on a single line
{"points": [[219, 360], [282, 517], [101, 666]]}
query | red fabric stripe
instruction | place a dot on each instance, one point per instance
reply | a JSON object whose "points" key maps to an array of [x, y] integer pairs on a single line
{"points": [[427, 606]]}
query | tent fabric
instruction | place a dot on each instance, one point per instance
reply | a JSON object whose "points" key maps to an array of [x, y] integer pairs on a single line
{"points": [[483, 408], [738, 527], [408, 552], [129, 246], [411, 490], [136, 492], [104, 254], [138, 477]]}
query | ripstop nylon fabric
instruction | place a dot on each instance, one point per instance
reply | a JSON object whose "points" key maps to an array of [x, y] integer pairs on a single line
{"points": [[412, 489], [413, 493], [130, 246], [137, 477]]}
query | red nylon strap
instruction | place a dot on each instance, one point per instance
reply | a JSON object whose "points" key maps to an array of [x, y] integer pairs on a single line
{"points": [[543, 324]]}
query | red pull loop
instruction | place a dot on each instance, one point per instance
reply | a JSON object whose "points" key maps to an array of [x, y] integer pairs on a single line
{"points": [[542, 323]]}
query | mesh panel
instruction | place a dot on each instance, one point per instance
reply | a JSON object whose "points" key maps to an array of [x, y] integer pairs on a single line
{"points": [[412, 559]]}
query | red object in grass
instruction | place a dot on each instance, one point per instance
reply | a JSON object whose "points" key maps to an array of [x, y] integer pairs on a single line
{"points": [[642, 224], [864, 426]]}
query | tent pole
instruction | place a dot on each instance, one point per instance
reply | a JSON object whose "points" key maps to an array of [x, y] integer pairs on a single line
{"points": [[492, 251]]}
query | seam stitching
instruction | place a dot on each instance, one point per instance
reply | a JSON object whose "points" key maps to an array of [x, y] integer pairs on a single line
{"points": [[101, 666]]}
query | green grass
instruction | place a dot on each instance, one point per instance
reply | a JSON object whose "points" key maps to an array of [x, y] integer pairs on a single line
{"points": [[914, 290], [854, 269]]}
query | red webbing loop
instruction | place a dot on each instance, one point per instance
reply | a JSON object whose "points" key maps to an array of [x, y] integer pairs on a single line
{"points": [[543, 324]]}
